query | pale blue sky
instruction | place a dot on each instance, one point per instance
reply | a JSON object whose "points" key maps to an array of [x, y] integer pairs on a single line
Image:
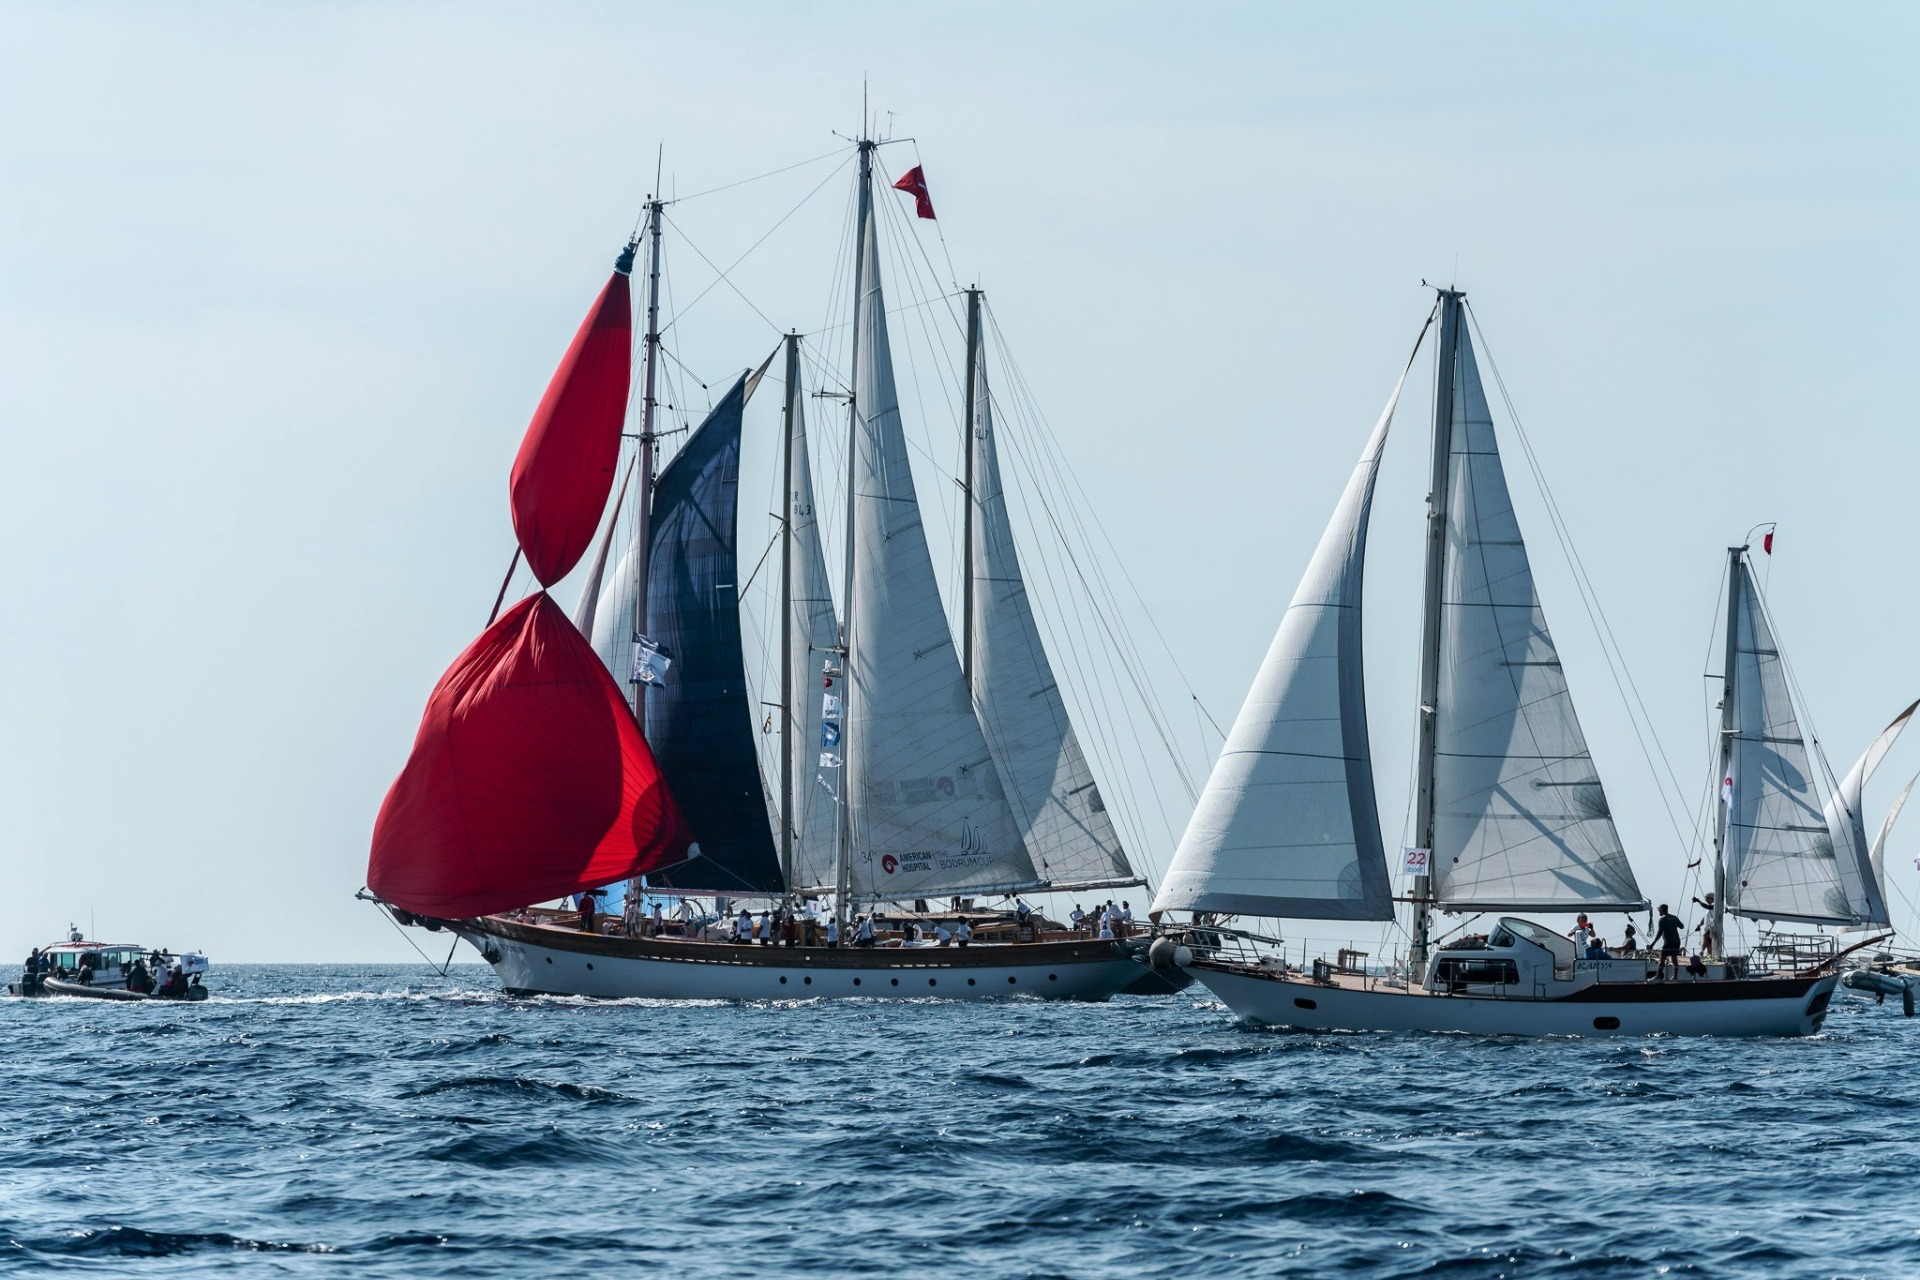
{"points": [[279, 288]]}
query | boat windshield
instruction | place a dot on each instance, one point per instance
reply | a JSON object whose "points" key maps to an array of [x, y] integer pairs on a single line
{"points": [[1561, 947]]}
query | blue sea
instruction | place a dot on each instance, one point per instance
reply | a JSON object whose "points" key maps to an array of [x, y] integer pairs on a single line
{"points": [[389, 1121]]}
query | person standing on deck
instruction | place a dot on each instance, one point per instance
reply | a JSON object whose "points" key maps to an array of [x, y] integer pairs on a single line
{"points": [[833, 933], [1667, 931], [587, 907], [1079, 919]]}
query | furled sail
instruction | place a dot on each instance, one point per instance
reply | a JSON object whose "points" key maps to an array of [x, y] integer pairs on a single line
{"points": [[1521, 821], [1062, 820], [1779, 851], [1847, 828], [528, 779], [566, 462], [587, 606], [1287, 824], [815, 635], [926, 807], [700, 718]]}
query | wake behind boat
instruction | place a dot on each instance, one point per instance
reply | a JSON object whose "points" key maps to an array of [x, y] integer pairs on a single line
{"points": [[1510, 814], [910, 768]]}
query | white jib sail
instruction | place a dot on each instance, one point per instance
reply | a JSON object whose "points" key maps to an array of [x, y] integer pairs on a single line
{"points": [[815, 633], [1878, 855], [928, 814], [1062, 820], [1287, 824], [1521, 820], [1847, 827], [1780, 855], [613, 621]]}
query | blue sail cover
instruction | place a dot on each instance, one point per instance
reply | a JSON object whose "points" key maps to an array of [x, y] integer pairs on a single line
{"points": [[700, 721]]}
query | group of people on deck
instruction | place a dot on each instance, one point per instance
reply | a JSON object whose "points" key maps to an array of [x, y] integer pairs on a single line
{"points": [[782, 926], [1104, 921], [1669, 937], [157, 974]]}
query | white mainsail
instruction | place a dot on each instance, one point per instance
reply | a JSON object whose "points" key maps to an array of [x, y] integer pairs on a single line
{"points": [[1847, 828], [1520, 817], [1287, 825], [926, 809], [1062, 820], [1780, 854], [814, 636]]}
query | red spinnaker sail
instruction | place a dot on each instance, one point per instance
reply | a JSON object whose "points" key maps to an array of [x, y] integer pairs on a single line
{"points": [[565, 467], [529, 779]]}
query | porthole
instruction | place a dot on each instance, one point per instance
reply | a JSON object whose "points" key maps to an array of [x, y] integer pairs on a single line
{"points": [[1606, 1024], [896, 982], [589, 966], [933, 982], [1300, 1002], [1011, 979], [1053, 977], [808, 981], [783, 982], [969, 981], [549, 959], [856, 982]]}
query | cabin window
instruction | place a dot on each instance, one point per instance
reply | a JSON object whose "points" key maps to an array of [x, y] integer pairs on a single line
{"points": [[1456, 972]]}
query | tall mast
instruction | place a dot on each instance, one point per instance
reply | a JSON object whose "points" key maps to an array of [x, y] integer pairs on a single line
{"points": [[1728, 722], [966, 575], [643, 531], [787, 744], [845, 843], [1430, 617]]}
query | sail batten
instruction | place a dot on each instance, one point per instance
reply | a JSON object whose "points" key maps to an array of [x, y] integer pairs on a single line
{"points": [[1505, 729]]}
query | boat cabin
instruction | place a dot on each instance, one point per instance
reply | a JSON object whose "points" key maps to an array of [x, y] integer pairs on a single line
{"points": [[1521, 958]]}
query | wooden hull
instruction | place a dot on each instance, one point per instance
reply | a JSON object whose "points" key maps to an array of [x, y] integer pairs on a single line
{"points": [[542, 960], [1788, 1006]]}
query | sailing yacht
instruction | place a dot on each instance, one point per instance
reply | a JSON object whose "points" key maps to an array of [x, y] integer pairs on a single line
{"points": [[1510, 812], [910, 768]]}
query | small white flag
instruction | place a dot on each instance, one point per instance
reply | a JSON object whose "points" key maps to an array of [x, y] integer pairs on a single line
{"points": [[830, 706], [829, 760], [649, 664], [1418, 862]]}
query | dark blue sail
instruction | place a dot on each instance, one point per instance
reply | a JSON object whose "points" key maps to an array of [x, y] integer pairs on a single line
{"points": [[700, 719]]}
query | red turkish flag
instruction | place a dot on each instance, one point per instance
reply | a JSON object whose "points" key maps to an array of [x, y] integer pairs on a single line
{"points": [[1766, 543], [915, 181]]}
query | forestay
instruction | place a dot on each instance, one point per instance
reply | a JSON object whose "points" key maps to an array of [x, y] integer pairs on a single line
{"points": [[1780, 855], [1287, 825], [927, 811], [1062, 819], [1521, 821]]}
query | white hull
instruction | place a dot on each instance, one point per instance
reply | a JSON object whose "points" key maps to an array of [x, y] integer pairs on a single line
{"points": [[532, 960], [1751, 1007]]}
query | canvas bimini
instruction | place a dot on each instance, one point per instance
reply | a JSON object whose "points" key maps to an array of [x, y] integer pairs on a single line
{"points": [[1509, 808]]}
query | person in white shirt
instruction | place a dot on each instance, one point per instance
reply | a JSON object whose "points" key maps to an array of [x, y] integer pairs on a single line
{"points": [[1078, 917], [833, 933], [963, 933], [865, 936], [942, 935], [743, 927], [764, 930]]}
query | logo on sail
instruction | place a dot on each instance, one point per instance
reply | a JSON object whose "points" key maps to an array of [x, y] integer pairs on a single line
{"points": [[889, 864]]}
